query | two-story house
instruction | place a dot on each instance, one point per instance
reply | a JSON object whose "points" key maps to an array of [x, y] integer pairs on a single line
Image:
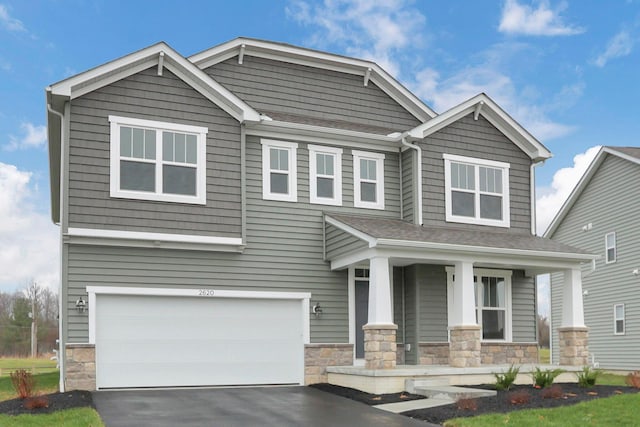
{"points": [[258, 211], [602, 216]]}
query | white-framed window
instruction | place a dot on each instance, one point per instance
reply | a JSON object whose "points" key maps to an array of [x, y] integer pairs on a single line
{"points": [[493, 302], [476, 191], [152, 160], [368, 180], [618, 319], [279, 172], [611, 253], [325, 175]]}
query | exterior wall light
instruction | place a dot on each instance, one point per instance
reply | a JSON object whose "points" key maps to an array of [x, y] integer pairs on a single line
{"points": [[81, 305], [317, 310]]}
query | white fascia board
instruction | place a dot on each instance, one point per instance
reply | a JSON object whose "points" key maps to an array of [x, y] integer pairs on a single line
{"points": [[612, 150], [575, 193], [348, 229], [90, 236], [322, 135], [110, 72], [317, 59]]}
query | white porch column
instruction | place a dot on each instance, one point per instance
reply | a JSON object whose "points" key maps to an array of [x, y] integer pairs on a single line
{"points": [[464, 303], [379, 292], [572, 307]]}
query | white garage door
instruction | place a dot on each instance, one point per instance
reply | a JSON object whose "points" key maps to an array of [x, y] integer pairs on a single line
{"points": [[161, 341]]}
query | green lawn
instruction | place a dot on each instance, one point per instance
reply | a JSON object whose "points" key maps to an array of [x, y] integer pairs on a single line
{"points": [[45, 383], [611, 411], [78, 417], [544, 355], [39, 365]]}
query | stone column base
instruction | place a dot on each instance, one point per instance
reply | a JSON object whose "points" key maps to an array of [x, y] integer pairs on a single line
{"points": [[380, 346], [464, 346], [318, 356], [574, 348], [80, 369]]}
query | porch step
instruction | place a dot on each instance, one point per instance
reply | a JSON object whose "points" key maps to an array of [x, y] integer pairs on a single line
{"points": [[413, 405], [411, 384], [452, 392]]}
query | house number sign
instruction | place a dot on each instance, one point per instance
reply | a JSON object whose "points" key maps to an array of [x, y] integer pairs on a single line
{"points": [[205, 292]]}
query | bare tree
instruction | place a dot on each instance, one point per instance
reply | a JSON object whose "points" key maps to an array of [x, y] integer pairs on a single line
{"points": [[543, 331]]}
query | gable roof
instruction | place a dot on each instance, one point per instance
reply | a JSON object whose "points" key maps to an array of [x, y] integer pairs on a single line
{"points": [[481, 104], [631, 154], [370, 71]]}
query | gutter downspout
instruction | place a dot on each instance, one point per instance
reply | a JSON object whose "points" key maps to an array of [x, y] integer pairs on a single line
{"points": [[403, 140], [61, 344], [532, 188]]}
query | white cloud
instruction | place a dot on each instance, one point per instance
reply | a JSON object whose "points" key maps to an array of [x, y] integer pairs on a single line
{"points": [[620, 45], [9, 23], [29, 242], [542, 21], [550, 199], [34, 136], [544, 295]]}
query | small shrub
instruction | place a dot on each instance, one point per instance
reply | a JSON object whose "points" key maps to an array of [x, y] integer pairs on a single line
{"points": [[542, 379], [588, 377], [519, 397], [23, 383], [467, 404], [36, 402], [633, 379], [505, 380], [553, 392]]}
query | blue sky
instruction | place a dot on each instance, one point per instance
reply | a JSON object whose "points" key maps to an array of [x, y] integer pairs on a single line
{"points": [[566, 70]]}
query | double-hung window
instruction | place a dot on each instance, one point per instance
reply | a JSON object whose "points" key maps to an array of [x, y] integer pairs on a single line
{"points": [[618, 319], [368, 179], [153, 160], [492, 296], [279, 174], [325, 175], [610, 248], [476, 191]]}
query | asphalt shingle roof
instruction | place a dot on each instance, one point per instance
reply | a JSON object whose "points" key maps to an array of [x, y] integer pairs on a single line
{"points": [[629, 151], [336, 124]]}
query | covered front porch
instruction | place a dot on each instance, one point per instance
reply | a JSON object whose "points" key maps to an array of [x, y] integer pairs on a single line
{"points": [[467, 300]]}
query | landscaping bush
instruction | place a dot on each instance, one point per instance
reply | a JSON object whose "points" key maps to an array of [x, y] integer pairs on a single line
{"points": [[588, 376], [633, 379], [23, 383], [36, 402], [505, 380], [553, 392], [467, 404], [542, 379], [519, 397]]}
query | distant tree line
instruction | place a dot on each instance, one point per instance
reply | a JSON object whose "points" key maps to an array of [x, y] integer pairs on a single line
{"points": [[18, 310], [543, 331]]}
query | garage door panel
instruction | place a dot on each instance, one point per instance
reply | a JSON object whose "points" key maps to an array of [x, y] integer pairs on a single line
{"points": [[146, 341]]}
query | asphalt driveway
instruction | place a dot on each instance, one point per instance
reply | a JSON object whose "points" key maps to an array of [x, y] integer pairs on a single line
{"points": [[255, 406]]}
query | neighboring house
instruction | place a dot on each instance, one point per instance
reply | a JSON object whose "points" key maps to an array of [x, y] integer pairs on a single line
{"points": [[602, 216], [257, 212]]}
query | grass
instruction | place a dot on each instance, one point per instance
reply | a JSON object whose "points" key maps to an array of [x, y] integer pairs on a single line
{"points": [[78, 417], [544, 354], [39, 365], [611, 379], [45, 383], [610, 411]]}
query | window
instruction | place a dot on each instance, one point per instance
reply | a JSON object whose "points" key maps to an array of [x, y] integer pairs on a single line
{"points": [[618, 319], [477, 191], [610, 247], [153, 160], [325, 175], [279, 170], [368, 180]]}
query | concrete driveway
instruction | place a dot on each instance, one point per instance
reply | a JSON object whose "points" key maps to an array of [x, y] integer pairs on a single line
{"points": [[254, 406]]}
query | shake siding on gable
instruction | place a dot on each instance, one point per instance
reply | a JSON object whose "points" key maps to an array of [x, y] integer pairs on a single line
{"points": [[284, 252], [269, 85], [610, 202], [163, 98], [477, 139]]}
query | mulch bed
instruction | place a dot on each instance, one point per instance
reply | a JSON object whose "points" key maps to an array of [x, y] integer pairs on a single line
{"points": [[570, 394], [366, 398], [56, 402]]}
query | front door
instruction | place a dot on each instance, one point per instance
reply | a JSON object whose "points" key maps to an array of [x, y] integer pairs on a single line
{"points": [[362, 308]]}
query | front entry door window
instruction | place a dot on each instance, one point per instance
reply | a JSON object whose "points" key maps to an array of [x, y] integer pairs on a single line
{"points": [[362, 307]]}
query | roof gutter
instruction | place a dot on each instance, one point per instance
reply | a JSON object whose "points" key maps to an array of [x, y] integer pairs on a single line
{"points": [[403, 140]]}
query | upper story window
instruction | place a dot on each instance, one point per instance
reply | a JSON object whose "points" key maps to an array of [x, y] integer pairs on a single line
{"points": [[153, 160], [368, 180], [279, 176], [610, 248], [618, 319], [325, 175], [476, 191]]}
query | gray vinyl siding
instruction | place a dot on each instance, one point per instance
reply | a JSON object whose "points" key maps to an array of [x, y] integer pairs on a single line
{"points": [[269, 85], [611, 203], [398, 303], [523, 307], [411, 314], [339, 243], [477, 139], [408, 185], [432, 285], [284, 252], [163, 98]]}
